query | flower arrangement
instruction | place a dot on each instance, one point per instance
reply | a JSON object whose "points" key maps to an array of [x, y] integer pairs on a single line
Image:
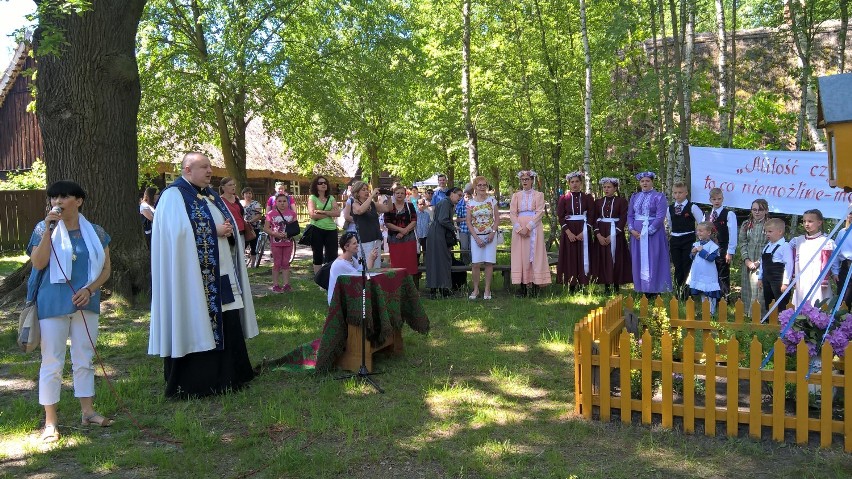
{"points": [[810, 325]]}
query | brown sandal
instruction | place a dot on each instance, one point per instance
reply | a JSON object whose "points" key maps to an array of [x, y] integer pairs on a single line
{"points": [[97, 419], [49, 434]]}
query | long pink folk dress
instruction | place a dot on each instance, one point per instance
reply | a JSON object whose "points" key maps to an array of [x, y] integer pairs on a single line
{"points": [[529, 257]]}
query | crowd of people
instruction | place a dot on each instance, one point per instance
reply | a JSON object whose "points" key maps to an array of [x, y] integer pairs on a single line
{"points": [[202, 309], [644, 240]]}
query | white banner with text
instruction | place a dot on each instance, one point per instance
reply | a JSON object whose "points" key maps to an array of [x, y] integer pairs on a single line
{"points": [[791, 181]]}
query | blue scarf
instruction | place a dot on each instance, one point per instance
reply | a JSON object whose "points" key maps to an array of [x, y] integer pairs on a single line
{"points": [[197, 202]]}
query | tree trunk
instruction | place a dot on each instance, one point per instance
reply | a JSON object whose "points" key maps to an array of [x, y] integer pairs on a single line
{"points": [[88, 99], [721, 64], [661, 99], [732, 75], [587, 104], [801, 26], [372, 167], [672, 158], [495, 181], [841, 38], [470, 128], [668, 97], [234, 159], [682, 167]]}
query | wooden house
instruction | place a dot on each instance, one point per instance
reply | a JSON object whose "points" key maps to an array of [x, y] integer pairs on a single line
{"points": [[20, 135], [835, 116], [269, 161]]}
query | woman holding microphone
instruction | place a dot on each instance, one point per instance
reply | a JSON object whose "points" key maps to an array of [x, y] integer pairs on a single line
{"points": [[70, 259]]}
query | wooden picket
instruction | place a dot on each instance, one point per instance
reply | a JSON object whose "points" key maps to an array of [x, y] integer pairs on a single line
{"points": [[602, 346]]}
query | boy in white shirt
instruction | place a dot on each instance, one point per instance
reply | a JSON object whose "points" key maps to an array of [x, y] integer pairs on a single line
{"points": [[776, 264], [725, 222]]}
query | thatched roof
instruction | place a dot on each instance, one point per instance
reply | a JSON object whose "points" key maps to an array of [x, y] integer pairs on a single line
{"points": [[267, 157]]}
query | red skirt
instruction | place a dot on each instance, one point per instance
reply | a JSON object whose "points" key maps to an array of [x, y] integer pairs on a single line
{"points": [[404, 255]]}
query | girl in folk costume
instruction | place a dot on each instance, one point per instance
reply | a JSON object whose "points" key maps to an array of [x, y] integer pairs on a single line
{"points": [[703, 279], [529, 256], [812, 244], [649, 249], [610, 258], [573, 211], [750, 241]]}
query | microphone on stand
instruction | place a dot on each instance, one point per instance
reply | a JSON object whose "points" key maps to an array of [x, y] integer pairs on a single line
{"points": [[57, 210], [362, 258]]}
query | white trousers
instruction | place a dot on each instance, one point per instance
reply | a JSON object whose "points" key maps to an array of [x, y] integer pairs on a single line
{"points": [[55, 332]]}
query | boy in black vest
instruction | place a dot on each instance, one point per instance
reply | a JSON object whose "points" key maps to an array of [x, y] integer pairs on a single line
{"points": [[776, 264], [681, 218], [725, 222]]}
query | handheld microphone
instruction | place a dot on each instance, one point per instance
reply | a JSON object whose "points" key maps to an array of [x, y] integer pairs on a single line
{"points": [[57, 210]]}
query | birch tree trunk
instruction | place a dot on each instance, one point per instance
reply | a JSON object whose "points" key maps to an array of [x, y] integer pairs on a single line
{"points": [[722, 68], [472, 140], [802, 30], [661, 103], [587, 105], [677, 67], [841, 38], [682, 167], [668, 99], [732, 75]]}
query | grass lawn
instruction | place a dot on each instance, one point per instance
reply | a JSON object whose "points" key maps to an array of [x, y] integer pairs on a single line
{"points": [[10, 262], [488, 393]]}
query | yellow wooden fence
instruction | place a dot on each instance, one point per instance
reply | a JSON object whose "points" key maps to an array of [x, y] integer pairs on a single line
{"points": [[602, 346]]}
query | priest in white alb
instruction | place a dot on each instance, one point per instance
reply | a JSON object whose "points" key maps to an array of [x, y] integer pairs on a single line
{"points": [[201, 308]]}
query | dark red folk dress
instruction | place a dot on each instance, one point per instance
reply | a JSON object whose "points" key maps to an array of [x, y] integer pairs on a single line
{"points": [[610, 213]]}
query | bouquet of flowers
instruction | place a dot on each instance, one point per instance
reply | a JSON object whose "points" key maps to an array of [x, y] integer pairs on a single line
{"points": [[811, 324]]}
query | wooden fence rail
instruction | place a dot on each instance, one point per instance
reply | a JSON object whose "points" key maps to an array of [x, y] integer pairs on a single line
{"points": [[20, 211], [602, 347]]}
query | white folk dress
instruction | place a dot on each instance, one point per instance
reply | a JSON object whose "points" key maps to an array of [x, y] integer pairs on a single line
{"points": [[805, 249]]}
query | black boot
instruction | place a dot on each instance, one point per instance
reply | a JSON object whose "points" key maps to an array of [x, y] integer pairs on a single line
{"points": [[607, 290], [522, 291], [445, 292], [534, 291], [433, 293]]}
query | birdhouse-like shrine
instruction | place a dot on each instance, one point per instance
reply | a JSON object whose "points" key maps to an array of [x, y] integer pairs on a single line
{"points": [[835, 116]]}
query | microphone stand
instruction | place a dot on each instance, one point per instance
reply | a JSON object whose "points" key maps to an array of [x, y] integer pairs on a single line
{"points": [[363, 374]]}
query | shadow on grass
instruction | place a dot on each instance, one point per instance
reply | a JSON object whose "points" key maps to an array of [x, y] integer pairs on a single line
{"points": [[488, 393]]}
